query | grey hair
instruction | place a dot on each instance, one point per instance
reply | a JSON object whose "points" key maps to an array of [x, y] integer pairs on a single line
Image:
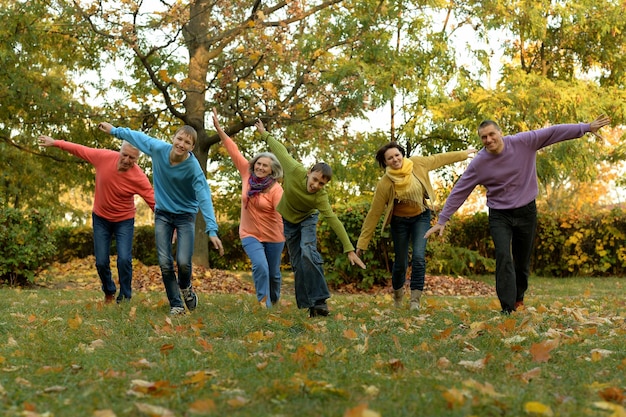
{"points": [[277, 168], [130, 145]]}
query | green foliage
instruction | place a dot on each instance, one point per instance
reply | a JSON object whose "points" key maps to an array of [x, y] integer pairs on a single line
{"points": [[573, 244], [27, 245], [441, 257]]}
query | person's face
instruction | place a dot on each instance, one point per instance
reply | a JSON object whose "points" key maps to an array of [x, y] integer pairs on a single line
{"points": [[315, 181], [491, 137], [393, 158], [262, 167], [128, 157], [183, 144]]}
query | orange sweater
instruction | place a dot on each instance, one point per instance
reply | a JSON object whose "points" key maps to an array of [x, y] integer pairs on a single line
{"points": [[259, 218], [114, 198]]}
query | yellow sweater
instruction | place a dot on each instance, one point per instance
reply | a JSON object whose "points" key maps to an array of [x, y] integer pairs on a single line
{"points": [[385, 192]]}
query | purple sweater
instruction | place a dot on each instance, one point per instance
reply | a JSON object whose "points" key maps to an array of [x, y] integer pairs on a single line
{"points": [[510, 176]]}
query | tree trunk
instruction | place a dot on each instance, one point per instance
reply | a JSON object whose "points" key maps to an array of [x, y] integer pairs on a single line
{"points": [[200, 55]]}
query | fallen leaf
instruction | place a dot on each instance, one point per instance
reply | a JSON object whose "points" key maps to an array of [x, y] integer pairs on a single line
{"points": [[202, 407], [361, 410], [541, 351], [534, 407], [154, 410]]}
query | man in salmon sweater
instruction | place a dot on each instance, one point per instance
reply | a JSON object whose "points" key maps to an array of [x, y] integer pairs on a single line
{"points": [[118, 179]]}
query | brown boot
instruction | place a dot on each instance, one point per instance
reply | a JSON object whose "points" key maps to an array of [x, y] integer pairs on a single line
{"points": [[415, 299], [397, 297]]}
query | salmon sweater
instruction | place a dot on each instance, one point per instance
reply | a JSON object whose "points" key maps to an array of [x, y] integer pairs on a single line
{"points": [[115, 191], [259, 218]]}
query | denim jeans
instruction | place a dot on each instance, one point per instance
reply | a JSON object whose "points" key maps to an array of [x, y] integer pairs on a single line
{"points": [[405, 232], [103, 232], [513, 234], [306, 262], [164, 225], [265, 258]]}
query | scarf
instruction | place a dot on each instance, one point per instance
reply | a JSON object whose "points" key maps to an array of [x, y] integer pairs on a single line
{"points": [[257, 185], [408, 188]]}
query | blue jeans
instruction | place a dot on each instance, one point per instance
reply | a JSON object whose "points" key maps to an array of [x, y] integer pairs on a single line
{"points": [[306, 262], [265, 258], [513, 234], [405, 232], [164, 225], [103, 232]]}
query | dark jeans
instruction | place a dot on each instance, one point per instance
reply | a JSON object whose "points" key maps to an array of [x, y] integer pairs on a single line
{"points": [[513, 234], [405, 232], [103, 232], [306, 262], [164, 225]]}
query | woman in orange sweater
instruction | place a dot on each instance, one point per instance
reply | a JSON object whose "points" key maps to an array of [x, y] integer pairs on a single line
{"points": [[260, 227]]}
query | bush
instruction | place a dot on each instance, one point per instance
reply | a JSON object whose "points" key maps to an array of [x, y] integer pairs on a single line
{"points": [[27, 245]]}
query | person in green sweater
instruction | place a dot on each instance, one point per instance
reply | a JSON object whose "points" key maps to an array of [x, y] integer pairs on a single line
{"points": [[304, 199]]}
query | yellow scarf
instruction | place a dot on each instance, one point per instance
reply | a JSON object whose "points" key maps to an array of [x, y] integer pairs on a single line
{"points": [[407, 186]]}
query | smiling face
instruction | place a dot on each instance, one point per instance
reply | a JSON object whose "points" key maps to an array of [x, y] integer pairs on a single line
{"points": [[262, 167], [491, 136], [393, 158], [183, 144], [128, 157], [315, 181]]}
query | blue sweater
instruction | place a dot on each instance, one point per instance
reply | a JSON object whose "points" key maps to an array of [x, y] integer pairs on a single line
{"points": [[178, 189]]}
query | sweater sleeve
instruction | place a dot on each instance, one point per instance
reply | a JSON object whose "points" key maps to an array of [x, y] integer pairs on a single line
{"points": [[379, 203], [462, 189], [335, 224], [278, 149], [241, 163]]}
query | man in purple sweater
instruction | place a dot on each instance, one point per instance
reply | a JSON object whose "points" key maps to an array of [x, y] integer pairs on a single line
{"points": [[506, 168]]}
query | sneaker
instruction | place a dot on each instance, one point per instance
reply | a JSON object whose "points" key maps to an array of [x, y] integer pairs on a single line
{"points": [[109, 298], [177, 311], [190, 298]]}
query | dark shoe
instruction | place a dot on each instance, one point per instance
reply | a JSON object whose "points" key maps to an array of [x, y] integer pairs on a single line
{"points": [[190, 298], [120, 299], [320, 309], [109, 298]]}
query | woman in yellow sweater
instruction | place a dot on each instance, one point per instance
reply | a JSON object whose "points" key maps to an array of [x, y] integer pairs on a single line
{"points": [[405, 195]]}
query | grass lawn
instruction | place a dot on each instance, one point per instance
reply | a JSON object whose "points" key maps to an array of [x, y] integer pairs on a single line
{"points": [[65, 353]]}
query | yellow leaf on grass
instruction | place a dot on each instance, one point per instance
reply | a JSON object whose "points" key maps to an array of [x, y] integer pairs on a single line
{"points": [[202, 407], [361, 411], [618, 410], [454, 397], [103, 413], [75, 322], [535, 407], [153, 410], [350, 334]]}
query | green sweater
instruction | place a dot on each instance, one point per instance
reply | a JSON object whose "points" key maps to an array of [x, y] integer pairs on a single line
{"points": [[297, 203]]}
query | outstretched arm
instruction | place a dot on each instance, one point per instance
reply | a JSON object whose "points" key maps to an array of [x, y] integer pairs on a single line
{"points": [[105, 127], [217, 244], [600, 122], [436, 228], [218, 128], [354, 259], [46, 141], [259, 126]]}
